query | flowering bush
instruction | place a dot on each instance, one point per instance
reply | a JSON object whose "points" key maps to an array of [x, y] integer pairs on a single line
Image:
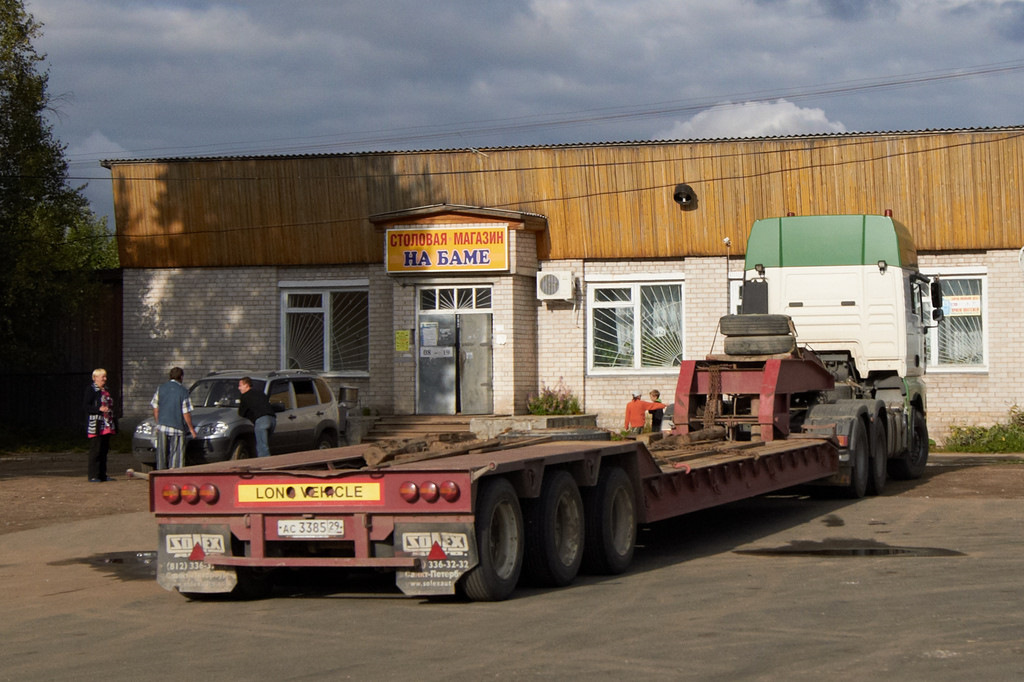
{"points": [[554, 400], [1008, 437]]}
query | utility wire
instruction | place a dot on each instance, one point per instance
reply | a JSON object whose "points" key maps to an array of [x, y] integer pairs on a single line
{"points": [[587, 117]]}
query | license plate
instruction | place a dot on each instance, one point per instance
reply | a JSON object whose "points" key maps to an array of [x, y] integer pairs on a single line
{"points": [[310, 528]]}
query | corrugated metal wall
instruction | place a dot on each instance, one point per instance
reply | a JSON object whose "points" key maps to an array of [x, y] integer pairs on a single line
{"points": [[955, 190]]}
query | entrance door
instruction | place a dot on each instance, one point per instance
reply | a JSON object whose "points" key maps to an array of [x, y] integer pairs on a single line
{"points": [[437, 365], [475, 383], [454, 362]]}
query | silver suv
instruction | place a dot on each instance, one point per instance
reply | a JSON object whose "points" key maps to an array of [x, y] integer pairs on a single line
{"points": [[307, 417]]}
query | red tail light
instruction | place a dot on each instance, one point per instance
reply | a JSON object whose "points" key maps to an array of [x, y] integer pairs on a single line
{"points": [[409, 491], [208, 493], [171, 494], [449, 491], [190, 493], [428, 491]]}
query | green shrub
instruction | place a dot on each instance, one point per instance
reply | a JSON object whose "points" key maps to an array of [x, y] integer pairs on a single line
{"points": [[554, 400], [1008, 437]]}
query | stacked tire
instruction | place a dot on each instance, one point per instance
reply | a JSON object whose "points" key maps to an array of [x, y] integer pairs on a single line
{"points": [[757, 334]]}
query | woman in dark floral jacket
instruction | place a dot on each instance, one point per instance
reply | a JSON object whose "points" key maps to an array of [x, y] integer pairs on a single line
{"points": [[99, 406]]}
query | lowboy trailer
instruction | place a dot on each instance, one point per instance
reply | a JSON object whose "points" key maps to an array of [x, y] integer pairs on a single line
{"points": [[474, 519]]}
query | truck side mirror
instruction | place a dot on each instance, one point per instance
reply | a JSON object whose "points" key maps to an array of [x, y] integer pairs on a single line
{"points": [[936, 291]]}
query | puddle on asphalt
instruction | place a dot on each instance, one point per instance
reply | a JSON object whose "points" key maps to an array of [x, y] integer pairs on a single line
{"points": [[848, 548], [120, 565]]}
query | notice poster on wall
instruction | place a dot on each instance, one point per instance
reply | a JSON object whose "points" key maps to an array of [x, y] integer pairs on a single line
{"points": [[402, 340]]}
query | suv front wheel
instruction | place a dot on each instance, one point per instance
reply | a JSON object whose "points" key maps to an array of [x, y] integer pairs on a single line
{"points": [[242, 449]]}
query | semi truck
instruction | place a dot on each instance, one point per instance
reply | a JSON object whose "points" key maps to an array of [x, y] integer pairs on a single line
{"points": [[818, 383]]}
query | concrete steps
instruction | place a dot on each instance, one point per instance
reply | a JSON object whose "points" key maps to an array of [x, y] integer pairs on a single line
{"points": [[404, 426]]}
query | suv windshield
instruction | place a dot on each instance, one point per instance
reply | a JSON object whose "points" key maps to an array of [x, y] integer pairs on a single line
{"points": [[222, 392]]}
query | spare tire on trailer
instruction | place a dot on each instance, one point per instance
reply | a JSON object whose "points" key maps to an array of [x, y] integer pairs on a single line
{"points": [[755, 325], [759, 345]]}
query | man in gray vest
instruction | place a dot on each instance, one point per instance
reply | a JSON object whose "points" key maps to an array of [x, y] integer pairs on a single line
{"points": [[171, 420]]}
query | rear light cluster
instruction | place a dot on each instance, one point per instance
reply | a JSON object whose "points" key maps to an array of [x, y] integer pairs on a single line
{"points": [[428, 491], [190, 493]]}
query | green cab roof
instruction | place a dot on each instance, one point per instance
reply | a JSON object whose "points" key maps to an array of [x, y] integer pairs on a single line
{"points": [[796, 241]]}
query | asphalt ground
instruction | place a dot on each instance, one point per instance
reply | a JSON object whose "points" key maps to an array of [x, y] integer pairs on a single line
{"points": [[906, 585]]}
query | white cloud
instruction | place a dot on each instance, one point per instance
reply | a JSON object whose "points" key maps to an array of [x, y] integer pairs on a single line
{"points": [[752, 119]]}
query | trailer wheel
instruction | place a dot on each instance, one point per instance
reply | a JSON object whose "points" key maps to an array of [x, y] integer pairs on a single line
{"points": [[499, 541], [610, 523], [879, 457], [554, 531], [912, 465], [859, 457], [758, 324], [759, 345]]}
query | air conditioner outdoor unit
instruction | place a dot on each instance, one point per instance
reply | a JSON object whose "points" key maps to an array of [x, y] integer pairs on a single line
{"points": [[555, 285]]}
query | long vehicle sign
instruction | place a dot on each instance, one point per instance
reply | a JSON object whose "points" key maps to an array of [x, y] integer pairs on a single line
{"points": [[315, 493]]}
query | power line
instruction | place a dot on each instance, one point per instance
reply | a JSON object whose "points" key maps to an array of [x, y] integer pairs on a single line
{"points": [[586, 117]]}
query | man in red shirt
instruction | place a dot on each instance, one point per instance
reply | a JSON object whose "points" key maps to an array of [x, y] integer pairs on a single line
{"points": [[636, 413]]}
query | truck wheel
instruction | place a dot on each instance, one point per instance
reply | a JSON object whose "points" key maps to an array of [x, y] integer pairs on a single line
{"points": [[241, 450], [754, 325], [859, 457], [759, 345], [912, 465], [610, 523], [499, 542], [879, 457], [554, 532]]}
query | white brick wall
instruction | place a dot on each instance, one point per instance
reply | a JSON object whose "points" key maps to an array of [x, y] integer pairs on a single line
{"points": [[983, 398], [216, 318], [205, 319]]}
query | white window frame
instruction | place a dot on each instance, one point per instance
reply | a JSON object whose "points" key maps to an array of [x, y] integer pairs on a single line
{"points": [[977, 273], [631, 281], [324, 288]]}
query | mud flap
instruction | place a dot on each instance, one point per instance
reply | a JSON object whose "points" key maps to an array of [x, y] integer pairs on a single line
{"points": [[446, 551], [180, 557]]}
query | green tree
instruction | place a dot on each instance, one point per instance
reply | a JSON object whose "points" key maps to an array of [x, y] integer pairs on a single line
{"points": [[50, 239]]}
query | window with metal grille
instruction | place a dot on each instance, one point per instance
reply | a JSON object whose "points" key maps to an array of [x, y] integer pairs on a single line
{"points": [[444, 299], [635, 326], [327, 330], [960, 339]]}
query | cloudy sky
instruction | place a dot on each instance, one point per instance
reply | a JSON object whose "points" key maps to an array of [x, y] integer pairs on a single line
{"points": [[165, 78]]}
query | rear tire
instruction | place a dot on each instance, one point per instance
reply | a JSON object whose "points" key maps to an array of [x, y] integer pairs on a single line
{"points": [[326, 441], [912, 465], [610, 523], [758, 324], [859, 475], [879, 457], [554, 532], [499, 542], [759, 345]]}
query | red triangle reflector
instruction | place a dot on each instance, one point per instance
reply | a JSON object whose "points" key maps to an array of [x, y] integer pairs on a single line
{"points": [[197, 553], [436, 553]]}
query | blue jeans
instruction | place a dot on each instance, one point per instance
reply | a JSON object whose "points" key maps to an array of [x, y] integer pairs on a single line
{"points": [[264, 426]]}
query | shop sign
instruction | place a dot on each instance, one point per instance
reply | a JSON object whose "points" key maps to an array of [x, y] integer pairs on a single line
{"points": [[961, 306], [451, 248]]}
